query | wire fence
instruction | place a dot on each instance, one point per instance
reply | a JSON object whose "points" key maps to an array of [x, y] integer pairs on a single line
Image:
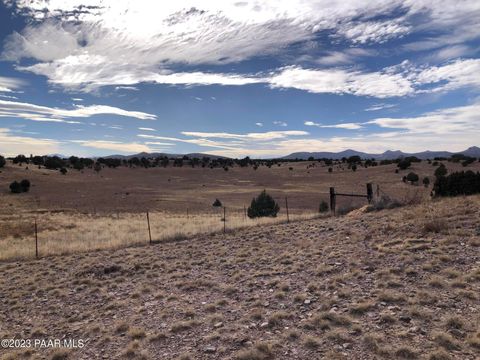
{"points": [[44, 233]]}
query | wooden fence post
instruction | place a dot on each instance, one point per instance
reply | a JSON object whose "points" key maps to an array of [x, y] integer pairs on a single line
{"points": [[36, 239], [286, 205], [332, 200], [224, 220], [149, 232], [245, 212], [369, 193], [187, 213]]}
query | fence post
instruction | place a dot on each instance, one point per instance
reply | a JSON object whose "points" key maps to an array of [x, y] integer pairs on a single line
{"points": [[224, 220], [286, 205], [332, 200], [149, 232], [245, 212], [369, 192], [187, 213], [36, 239]]}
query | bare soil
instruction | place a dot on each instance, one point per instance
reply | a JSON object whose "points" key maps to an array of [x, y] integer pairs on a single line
{"points": [[401, 283]]}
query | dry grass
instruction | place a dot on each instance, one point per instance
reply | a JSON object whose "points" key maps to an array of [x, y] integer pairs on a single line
{"points": [[66, 233]]}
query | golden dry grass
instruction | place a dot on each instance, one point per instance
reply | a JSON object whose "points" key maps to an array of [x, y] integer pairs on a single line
{"points": [[65, 233]]}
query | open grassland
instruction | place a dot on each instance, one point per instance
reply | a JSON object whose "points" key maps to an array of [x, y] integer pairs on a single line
{"points": [[174, 190], [394, 284], [65, 232], [84, 211]]}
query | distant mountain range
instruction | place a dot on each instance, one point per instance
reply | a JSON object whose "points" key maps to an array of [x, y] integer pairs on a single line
{"points": [[473, 151], [154, 155]]}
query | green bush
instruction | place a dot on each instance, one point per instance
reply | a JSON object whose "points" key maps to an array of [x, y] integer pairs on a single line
{"points": [[217, 203], [2, 161], [263, 205], [15, 187], [25, 185], [404, 164], [412, 177], [323, 207]]}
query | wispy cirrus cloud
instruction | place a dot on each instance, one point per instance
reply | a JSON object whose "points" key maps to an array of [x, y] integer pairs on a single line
{"points": [[380, 106], [83, 47], [347, 126], [48, 114], [8, 84]]}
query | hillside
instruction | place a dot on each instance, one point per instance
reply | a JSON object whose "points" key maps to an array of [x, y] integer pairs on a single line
{"points": [[387, 155], [401, 283]]}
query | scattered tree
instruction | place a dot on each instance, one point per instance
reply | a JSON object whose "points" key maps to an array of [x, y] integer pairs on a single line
{"points": [[15, 187], [63, 171], [217, 203], [412, 177], [263, 205], [404, 164], [457, 183], [441, 171], [25, 185], [2, 161], [19, 187]]}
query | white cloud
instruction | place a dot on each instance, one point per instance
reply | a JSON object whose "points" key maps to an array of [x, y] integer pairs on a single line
{"points": [[124, 147], [381, 106], [347, 56], [454, 75], [8, 84], [280, 123], [8, 97], [11, 145], [132, 88], [347, 126], [146, 129], [373, 31], [85, 47], [259, 124], [43, 113], [341, 81], [450, 122], [269, 135]]}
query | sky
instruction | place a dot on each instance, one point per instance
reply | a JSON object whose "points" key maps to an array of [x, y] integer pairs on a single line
{"points": [[256, 78]]}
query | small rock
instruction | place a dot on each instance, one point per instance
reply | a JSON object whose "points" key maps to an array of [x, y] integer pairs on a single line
{"points": [[210, 349], [218, 324], [307, 301], [263, 325]]}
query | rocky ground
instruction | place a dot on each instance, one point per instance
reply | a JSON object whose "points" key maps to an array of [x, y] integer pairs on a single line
{"points": [[401, 283]]}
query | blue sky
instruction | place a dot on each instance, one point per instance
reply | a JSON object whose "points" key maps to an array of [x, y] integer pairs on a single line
{"points": [[236, 78]]}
